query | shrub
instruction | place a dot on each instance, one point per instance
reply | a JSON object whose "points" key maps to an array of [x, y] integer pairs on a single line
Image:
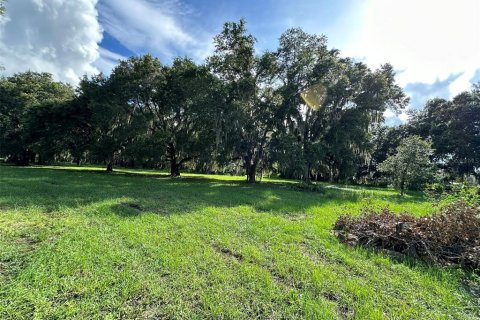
{"points": [[451, 236], [410, 167], [449, 193]]}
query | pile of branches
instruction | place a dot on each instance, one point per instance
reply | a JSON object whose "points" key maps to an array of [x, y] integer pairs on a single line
{"points": [[449, 237]]}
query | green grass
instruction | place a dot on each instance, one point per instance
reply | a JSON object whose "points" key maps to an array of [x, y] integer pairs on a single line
{"points": [[77, 243]]}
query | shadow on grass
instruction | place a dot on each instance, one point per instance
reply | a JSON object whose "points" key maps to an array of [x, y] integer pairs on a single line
{"points": [[55, 188], [127, 209], [133, 194]]}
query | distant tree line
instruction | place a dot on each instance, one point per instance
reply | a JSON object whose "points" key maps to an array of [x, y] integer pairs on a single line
{"points": [[240, 112]]}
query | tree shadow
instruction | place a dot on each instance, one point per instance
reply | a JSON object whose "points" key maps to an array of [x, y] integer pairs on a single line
{"points": [[54, 188], [127, 209], [130, 195]]}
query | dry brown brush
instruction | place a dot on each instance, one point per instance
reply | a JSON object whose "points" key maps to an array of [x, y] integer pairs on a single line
{"points": [[449, 237]]}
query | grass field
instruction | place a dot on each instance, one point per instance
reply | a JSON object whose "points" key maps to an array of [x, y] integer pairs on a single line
{"points": [[78, 243]]}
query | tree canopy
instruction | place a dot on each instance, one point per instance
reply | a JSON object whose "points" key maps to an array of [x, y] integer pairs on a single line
{"points": [[410, 166], [301, 111]]}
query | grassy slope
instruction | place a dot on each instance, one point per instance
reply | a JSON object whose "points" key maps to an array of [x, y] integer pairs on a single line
{"points": [[80, 244]]}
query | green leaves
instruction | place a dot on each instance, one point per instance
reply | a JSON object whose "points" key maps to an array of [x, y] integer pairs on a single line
{"points": [[241, 106], [454, 127], [347, 101], [22, 96], [251, 97], [410, 167]]}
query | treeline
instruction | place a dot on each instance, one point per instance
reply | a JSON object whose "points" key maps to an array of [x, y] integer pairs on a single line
{"points": [[240, 112]]}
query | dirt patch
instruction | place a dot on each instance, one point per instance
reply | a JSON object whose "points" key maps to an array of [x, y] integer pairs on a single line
{"points": [[316, 255], [276, 276], [228, 252], [330, 296], [28, 240], [69, 296], [143, 306], [344, 312]]}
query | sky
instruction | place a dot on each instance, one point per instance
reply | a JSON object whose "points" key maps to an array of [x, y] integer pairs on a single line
{"points": [[434, 45]]}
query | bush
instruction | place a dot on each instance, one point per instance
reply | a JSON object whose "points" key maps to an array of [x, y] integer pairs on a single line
{"points": [[410, 168], [451, 236], [436, 189], [449, 193]]}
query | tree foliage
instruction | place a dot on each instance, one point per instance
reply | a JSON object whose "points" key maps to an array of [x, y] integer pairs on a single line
{"points": [[332, 138], [251, 98], [301, 111], [410, 166], [20, 97], [454, 127]]}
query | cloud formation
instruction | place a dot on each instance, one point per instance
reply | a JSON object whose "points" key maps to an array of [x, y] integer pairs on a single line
{"points": [[107, 60], [56, 36], [435, 45], [428, 40], [153, 26], [420, 92]]}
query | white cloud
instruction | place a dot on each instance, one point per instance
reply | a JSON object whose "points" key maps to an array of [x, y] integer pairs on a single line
{"points": [[149, 26], [109, 55], [435, 44], [429, 40], [56, 36], [107, 60]]}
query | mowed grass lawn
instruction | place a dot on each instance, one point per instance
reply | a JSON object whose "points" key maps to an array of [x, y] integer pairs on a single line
{"points": [[76, 243]]}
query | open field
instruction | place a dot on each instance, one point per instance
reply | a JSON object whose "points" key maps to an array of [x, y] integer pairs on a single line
{"points": [[78, 243]]}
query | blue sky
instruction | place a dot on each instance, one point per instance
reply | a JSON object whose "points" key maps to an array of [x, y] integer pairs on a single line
{"points": [[203, 19], [433, 44]]}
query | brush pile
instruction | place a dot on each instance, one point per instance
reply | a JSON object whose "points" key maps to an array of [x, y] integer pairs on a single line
{"points": [[450, 237]]}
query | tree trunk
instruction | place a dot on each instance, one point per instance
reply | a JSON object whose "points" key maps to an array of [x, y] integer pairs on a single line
{"points": [[402, 186], [31, 157], [250, 169], [174, 168], [23, 159], [251, 173], [306, 174], [174, 165], [403, 178], [331, 177]]}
